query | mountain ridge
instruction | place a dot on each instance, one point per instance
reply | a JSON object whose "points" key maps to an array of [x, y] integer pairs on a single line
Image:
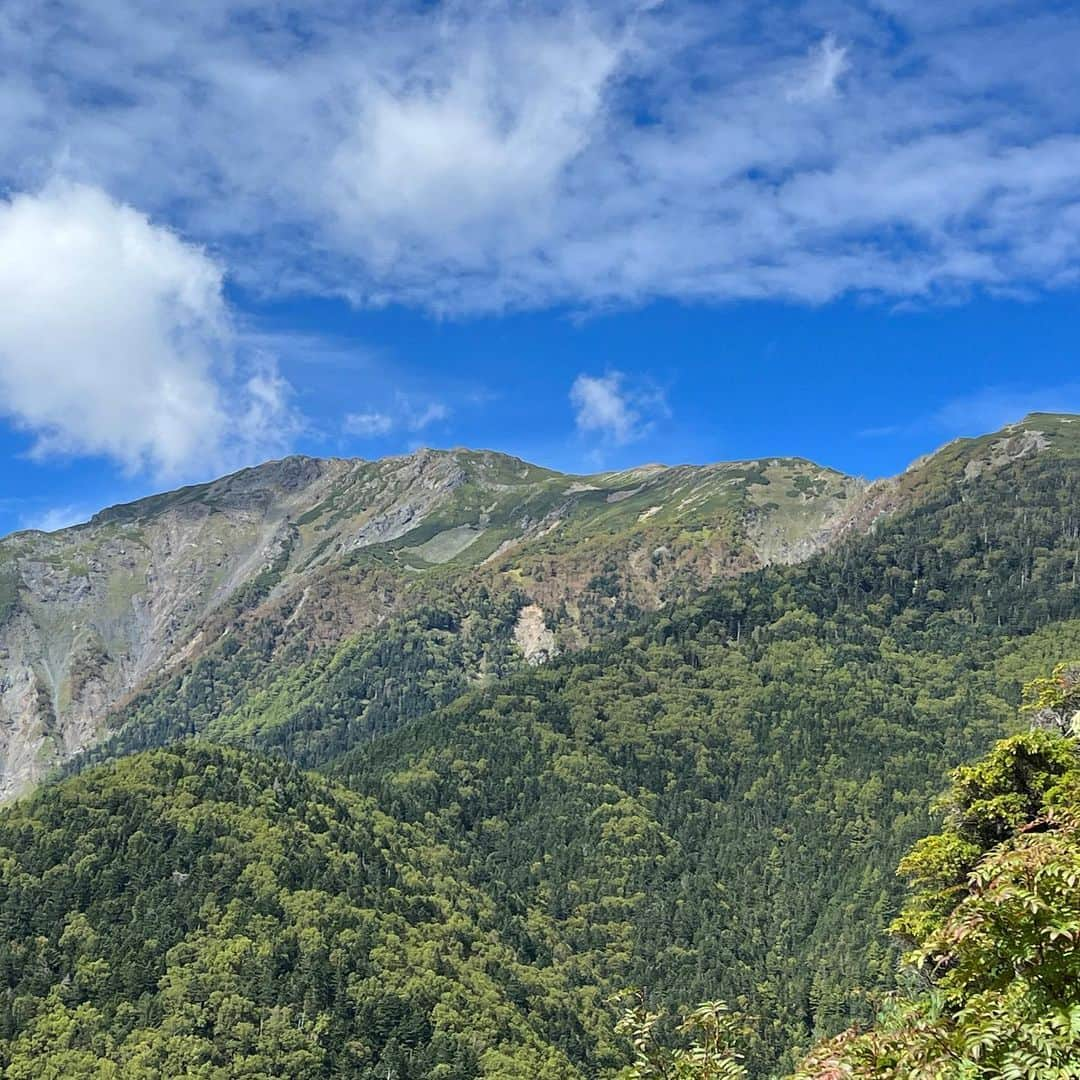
{"points": [[333, 547], [708, 799]]}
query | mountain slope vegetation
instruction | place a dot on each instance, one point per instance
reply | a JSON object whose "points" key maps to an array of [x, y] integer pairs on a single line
{"points": [[199, 912], [991, 978], [223, 585], [714, 806], [707, 800], [993, 927], [458, 631]]}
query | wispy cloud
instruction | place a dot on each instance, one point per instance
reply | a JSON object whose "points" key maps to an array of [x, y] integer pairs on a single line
{"points": [[402, 414], [993, 407], [828, 62], [432, 413], [484, 156], [988, 408], [885, 431], [58, 517], [368, 425]]}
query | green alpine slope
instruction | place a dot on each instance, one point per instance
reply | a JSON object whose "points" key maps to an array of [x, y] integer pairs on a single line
{"points": [[714, 807], [708, 801]]}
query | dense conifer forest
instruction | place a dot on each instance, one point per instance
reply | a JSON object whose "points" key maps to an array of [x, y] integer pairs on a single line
{"points": [[990, 980]]}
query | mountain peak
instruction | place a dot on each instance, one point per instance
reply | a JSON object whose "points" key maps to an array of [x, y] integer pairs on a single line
{"points": [[319, 549], [302, 552]]}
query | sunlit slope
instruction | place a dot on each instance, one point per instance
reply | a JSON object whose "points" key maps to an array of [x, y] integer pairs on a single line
{"points": [[295, 556], [201, 912], [714, 806]]}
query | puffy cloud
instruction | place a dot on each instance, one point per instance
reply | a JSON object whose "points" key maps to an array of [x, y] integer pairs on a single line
{"points": [[607, 405], [115, 341]]}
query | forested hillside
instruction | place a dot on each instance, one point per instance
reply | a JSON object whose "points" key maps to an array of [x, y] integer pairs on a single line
{"points": [[715, 807], [708, 801], [990, 980], [992, 926], [203, 913]]}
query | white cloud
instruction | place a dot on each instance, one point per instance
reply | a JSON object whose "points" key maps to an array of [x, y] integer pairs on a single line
{"points": [[404, 414], [369, 425], [828, 62], [115, 341], [462, 151], [607, 405], [490, 155]]}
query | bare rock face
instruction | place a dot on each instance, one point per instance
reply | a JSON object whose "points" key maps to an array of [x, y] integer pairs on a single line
{"points": [[533, 636], [94, 610], [89, 613], [1013, 447]]}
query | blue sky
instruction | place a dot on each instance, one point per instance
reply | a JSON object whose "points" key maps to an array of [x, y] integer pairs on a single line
{"points": [[591, 235]]}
